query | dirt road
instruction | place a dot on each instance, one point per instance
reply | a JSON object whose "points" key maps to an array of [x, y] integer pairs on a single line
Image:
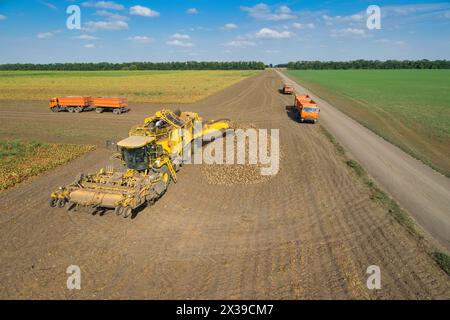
{"points": [[424, 192], [310, 232]]}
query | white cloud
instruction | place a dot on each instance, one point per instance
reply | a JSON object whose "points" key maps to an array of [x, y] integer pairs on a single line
{"points": [[111, 15], [272, 51], [89, 46], [414, 8], [230, 26], [354, 32], [179, 43], [273, 34], [3, 17], [262, 11], [144, 12], [390, 42], [105, 25], [300, 26], [240, 43], [103, 5], [192, 11], [86, 37], [284, 9], [44, 35], [180, 36], [49, 5], [396, 13], [354, 18], [141, 39]]}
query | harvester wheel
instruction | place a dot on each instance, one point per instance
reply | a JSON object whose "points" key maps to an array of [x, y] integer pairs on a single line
{"points": [[61, 203], [117, 111], [127, 211], [53, 202], [78, 109], [118, 210], [165, 176], [71, 109], [99, 110], [55, 109]]}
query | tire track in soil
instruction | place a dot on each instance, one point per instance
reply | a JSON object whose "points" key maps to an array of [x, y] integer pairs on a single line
{"points": [[310, 232]]}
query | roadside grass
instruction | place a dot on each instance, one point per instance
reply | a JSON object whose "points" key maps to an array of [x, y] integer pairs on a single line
{"points": [[409, 108], [137, 86], [20, 160], [394, 209]]}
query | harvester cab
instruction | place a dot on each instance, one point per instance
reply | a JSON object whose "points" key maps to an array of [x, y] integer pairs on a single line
{"points": [[142, 153]]}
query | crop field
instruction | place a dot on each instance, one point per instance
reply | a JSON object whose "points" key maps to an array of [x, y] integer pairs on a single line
{"points": [[137, 86], [218, 233], [410, 108], [21, 160]]}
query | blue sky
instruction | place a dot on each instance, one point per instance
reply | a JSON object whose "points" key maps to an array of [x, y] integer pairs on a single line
{"points": [[271, 31]]}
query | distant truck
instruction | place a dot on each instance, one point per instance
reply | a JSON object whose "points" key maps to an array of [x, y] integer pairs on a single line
{"points": [[80, 104], [71, 104], [307, 109], [288, 88], [116, 105]]}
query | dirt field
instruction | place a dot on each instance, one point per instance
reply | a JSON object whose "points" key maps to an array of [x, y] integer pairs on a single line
{"points": [[310, 232]]}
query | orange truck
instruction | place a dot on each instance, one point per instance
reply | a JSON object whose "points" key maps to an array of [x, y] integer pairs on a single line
{"points": [[307, 109], [80, 104], [288, 88], [116, 105], [71, 104]]}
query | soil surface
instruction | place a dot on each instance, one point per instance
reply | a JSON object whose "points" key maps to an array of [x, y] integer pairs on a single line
{"points": [[309, 232]]}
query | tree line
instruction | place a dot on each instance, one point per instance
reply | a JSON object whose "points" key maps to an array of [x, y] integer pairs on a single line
{"points": [[188, 65], [368, 64]]}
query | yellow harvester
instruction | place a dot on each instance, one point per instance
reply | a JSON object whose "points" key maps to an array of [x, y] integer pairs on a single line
{"points": [[151, 155]]}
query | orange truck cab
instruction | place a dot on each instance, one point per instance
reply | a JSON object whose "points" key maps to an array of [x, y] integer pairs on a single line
{"points": [[71, 104], [288, 88], [307, 109]]}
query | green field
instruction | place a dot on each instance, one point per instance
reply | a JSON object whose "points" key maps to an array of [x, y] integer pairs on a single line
{"points": [[20, 160], [137, 86], [410, 108]]}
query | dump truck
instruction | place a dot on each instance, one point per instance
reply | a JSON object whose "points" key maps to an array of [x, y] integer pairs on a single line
{"points": [[288, 88], [151, 155], [71, 104], [307, 109], [116, 105], [80, 104]]}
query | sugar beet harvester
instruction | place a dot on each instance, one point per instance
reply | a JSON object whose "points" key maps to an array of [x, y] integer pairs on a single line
{"points": [[152, 154]]}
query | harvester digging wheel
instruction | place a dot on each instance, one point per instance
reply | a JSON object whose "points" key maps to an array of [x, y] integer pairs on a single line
{"points": [[71, 109], [61, 203], [53, 202], [118, 210], [99, 110], [78, 109], [127, 211], [165, 176]]}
